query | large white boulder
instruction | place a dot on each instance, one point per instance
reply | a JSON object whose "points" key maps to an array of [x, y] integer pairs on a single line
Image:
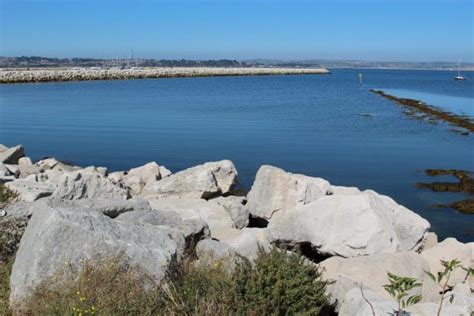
{"points": [[351, 225], [200, 182], [137, 178], [213, 214], [275, 190], [88, 184], [355, 303], [246, 242], [12, 154], [55, 236], [30, 190], [448, 250], [371, 272], [109, 207], [192, 229], [236, 209]]}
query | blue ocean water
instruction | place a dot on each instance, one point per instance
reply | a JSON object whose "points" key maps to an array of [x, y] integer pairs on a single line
{"points": [[311, 124]]}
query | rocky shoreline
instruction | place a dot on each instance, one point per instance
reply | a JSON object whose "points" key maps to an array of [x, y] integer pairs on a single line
{"points": [[157, 218], [73, 74], [434, 114]]}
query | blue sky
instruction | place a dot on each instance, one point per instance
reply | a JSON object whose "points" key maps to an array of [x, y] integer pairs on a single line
{"points": [[385, 30]]}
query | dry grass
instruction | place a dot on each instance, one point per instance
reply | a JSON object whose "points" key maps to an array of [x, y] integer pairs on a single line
{"points": [[277, 284]]}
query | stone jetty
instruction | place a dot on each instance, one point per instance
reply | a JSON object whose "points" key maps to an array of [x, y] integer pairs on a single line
{"points": [[80, 74], [156, 218]]}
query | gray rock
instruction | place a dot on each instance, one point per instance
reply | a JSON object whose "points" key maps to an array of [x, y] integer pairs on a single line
{"points": [[11, 155], [3, 148], [30, 190], [245, 242], [200, 182], [110, 208], [430, 309], [88, 184], [354, 304], [214, 215], [236, 209], [13, 169], [210, 251], [116, 176], [351, 225], [55, 236], [25, 161], [371, 271], [192, 229], [139, 177], [431, 241], [448, 250], [47, 163], [275, 190]]}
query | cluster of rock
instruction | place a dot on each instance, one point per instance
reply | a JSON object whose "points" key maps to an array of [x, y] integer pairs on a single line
{"points": [[157, 218], [73, 74]]}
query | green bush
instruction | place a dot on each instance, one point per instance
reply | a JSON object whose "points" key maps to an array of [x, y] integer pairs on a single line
{"points": [[279, 283], [276, 284]]}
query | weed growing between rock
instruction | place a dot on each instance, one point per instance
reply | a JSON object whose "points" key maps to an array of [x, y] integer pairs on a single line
{"points": [[277, 283]]}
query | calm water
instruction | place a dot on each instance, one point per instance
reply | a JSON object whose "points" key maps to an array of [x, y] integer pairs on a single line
{"points": [[307, 124]]}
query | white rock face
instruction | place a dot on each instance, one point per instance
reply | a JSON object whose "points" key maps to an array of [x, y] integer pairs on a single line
{"points": [[192, 229], [139, 177], [448, 250], [25, 161], [12, 154], [355, 304], [236, 209], [58, 235], [48, 163], [213, 214], [200, 182], [88, 184], [371, 271], [30, 190], [275, 190], [351, 225], [244, 241], [110, 208]]}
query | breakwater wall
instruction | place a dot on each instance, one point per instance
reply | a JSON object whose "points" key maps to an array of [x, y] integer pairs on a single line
{"points": [[72, 74]]}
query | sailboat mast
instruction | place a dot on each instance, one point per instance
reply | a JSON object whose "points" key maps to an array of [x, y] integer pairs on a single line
{"points": [[459, 68]]}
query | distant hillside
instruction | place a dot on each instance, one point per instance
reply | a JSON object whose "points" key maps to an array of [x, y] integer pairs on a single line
{"points": [[362, 64]]}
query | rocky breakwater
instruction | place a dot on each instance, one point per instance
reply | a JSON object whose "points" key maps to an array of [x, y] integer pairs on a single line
{"points": [[70, 74], [157, 218]]}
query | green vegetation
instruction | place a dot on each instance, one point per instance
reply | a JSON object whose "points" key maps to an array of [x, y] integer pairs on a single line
{"points": [[277, 283], [442, 279], [5, 271], [399, 288], [6, 195]]}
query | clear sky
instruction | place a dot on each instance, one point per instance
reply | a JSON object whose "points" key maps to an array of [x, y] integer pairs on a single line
{"points": [[385, 30]]}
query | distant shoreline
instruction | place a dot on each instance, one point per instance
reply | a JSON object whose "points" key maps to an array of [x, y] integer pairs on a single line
{"points": [[10, 76]]}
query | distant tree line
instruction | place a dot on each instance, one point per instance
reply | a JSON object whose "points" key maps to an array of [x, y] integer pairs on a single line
{"points": [[37, 61]]}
